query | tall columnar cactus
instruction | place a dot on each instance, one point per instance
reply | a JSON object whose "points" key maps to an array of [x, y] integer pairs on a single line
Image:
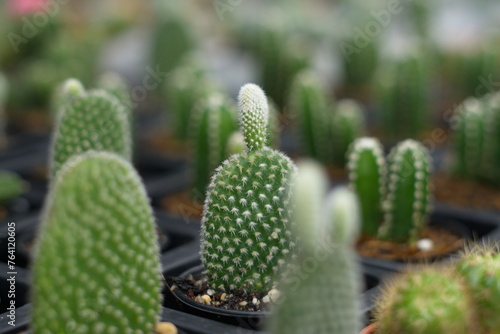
{"points": [[430, 301], [309, 103], [367, 177], [245, 226], [63, 95], [213, 121], [4, 93], [327, 300], [97, 266], [470, 138], [407, 204], [359, 65], [403, 95], [93, 121], [347, 125], [11, 186]]}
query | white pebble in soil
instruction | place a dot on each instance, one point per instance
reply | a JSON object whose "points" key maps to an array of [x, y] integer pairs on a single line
{"points": [[425, 245]]}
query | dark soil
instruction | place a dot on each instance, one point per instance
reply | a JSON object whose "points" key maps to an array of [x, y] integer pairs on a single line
{"points": [[445, 242], [466, 193], [196, 288], [182, 204]]}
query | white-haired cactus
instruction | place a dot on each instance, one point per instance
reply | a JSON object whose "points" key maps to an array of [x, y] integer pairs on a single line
{"points": [[96, 268], [403, 95], [63, 95], [91, 121], [328, 300], [469, 137], [400, 189], [367, 177], [310, 105], [245, 226], [4, 93], [407, 205], [11, 186], [214, 119], [347, 124]]}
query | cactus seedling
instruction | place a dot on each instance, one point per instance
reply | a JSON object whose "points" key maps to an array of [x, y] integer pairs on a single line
{"points": [[327, 299], [213, 122], [245, 226], [97, 264], [347, 125], [93, 121], [11, 186], [309, 103]]}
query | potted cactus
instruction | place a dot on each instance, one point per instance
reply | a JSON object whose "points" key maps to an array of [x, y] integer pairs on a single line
{"points": [[246, 233]]}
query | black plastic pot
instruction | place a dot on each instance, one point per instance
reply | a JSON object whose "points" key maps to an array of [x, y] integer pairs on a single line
{"points": [[176, 299], [480, 228]]}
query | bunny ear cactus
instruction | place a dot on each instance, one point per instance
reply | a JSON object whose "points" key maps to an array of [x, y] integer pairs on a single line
{"points": [[213, 122], [327, 301], [367, 171], [97, 264], [245, 226], [64, 94], [309, 104], [11, 186], [347, 125], [407, 204], [93, 121]]}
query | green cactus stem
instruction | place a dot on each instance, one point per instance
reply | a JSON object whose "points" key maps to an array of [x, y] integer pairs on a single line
{"points": [[63, 95], [245, 226], [309, 103], [347, 125], [11, 186], [431, 301], [97, 268], [213, 122], [490, 162], [407, 204], [367, 170], [93, 121], [327, 299]]}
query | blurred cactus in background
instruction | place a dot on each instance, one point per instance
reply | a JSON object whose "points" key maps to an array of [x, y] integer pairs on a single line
{"points": [[4, 94]]}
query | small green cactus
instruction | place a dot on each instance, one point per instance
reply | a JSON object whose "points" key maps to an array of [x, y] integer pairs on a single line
{"points": [[402, 92], [367, 177], [63, 95], [404, 192], [309, 103], [245, 226], [213, 121], [328, 299], [97, 266], [347, 125], [11, 186], [429, 301], [93, 121]]}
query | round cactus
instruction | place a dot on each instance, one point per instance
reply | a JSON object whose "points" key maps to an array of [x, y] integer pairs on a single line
{"points": [[245, 226], [367, 171], [96, 268], [93, 121], [407, 204]]}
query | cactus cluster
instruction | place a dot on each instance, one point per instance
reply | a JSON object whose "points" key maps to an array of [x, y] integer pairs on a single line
{"points": [[326, 129], [93, 120], [11, 186], [213, 121], [477, 149], [394, 195], [246, 233], [327, 300], [97, 266], [461, 297], [403, 96]]}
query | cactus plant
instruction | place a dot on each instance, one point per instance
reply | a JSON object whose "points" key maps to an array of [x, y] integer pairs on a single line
{"points": [[347, 125], [367, 177], [4, 93], [63, 95], [309, 103], [213, 122], [245, 226], [97, 267], [11, 186], [93, 121], [403, 195], [402, 92], [327, 299], [490, 161]]}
